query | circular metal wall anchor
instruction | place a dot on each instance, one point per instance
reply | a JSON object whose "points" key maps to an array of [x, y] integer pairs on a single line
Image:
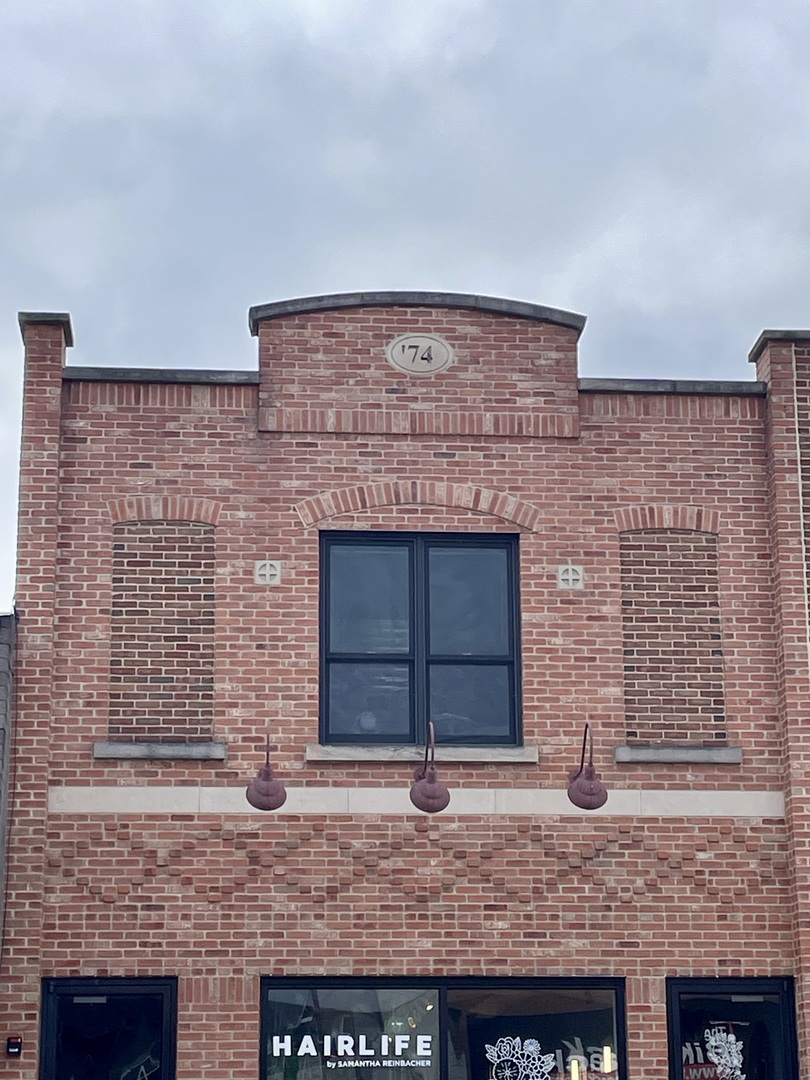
{"points": [[585, 788], [265, 792], [428, 793]]}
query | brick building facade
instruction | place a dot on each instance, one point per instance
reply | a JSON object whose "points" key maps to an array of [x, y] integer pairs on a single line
{"points": [[414, 511]]}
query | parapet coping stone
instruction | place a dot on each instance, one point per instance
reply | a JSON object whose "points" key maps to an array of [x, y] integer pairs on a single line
{"points": [[767, 336], [47, 318], [156, 751], [520, 309], [705, 387], [160, 375], [251, 378], [677, 755]]}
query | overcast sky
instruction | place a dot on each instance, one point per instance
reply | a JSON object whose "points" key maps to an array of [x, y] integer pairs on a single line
{"points": [[164, 164]]}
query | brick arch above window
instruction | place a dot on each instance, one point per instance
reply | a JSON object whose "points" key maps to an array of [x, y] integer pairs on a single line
{"points": [[419, 493], [165, 508], [681, 517]]}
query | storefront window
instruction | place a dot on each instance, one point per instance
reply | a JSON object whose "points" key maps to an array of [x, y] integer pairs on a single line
{"points": [[730, 1029], [449, 1030], [310, 1033], [531, 1034]]}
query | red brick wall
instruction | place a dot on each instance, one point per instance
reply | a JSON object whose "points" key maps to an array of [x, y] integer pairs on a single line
{"points": [[220, 903], [327, 372], [162, 631], [673, 649], [220, 899]]}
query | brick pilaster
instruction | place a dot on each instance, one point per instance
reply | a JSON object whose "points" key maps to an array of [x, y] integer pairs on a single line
{"points": [[7, 637], [46, 337], [787, 413]]}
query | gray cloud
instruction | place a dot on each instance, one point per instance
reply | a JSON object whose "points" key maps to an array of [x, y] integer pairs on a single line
{"points": [[166, 164]]}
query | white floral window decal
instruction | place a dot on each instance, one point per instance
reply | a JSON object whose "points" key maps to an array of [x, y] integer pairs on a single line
{"points": [[516, 1059], [725, 1052]]}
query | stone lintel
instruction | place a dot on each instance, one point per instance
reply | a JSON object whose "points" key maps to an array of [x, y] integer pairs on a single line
{"points": [[677, 755], [154, 751]]}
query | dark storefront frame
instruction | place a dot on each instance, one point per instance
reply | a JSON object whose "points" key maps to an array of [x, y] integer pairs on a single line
{"points": [[442, 986], [783, 1039], [58, 992]]}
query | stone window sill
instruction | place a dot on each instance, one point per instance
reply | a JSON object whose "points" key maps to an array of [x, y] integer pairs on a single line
{"points": [[488, 755], [158, 751], [677, 755]]}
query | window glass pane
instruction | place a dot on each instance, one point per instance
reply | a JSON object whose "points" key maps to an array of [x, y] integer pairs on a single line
{"points": [[537, 1034], [728, 1036], [470, 701], [369, 700], [369, 598], [117, 1036], [368, 1033], [469, 601]]}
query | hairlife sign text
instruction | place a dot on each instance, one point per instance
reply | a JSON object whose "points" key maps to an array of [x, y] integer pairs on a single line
{"points": [[346, 1051]]}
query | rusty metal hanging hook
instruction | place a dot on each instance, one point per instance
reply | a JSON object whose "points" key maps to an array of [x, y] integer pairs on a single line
{"points": [[585, 787], [265, 792], [428, 793]]}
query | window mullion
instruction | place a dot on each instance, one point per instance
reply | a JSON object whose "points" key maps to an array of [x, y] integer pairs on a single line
{"points": [[419, 595]]}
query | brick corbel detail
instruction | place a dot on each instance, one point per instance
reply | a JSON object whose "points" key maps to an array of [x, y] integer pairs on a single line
{"points": [[497, 425], [419, 493], [165, 508], [686, 518]]}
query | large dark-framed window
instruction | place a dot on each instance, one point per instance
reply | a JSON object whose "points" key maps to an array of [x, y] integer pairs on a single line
{"points": [[727, 1029], [119, 1029], [419, 627], [443, 1029]]}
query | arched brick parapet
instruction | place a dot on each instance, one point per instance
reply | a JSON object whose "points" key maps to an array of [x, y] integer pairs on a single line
{"points": [[680, 517], [165, 508], [419, 493]]}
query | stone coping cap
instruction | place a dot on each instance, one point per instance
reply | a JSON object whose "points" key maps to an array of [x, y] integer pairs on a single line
{"points": [[673, 386], [160, 375], [334, 301], [767, 336], [48, 318]]}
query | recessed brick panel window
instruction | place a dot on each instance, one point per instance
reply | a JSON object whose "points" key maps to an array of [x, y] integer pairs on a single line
{"points": [[162, 647], [673, 649]]}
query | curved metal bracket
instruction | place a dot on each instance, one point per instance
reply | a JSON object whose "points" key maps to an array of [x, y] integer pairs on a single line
{"points": [[428, 793], [265, 792], [585, 787]]}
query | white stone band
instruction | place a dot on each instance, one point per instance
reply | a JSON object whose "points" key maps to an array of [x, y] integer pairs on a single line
{"points": [[489, 802]]}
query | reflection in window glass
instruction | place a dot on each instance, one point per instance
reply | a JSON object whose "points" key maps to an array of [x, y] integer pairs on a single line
{"points": [[554, 1033], [469, 701], [370, 700], [369, 599], [731, 1036], [469, 601], [374, 1033]]}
